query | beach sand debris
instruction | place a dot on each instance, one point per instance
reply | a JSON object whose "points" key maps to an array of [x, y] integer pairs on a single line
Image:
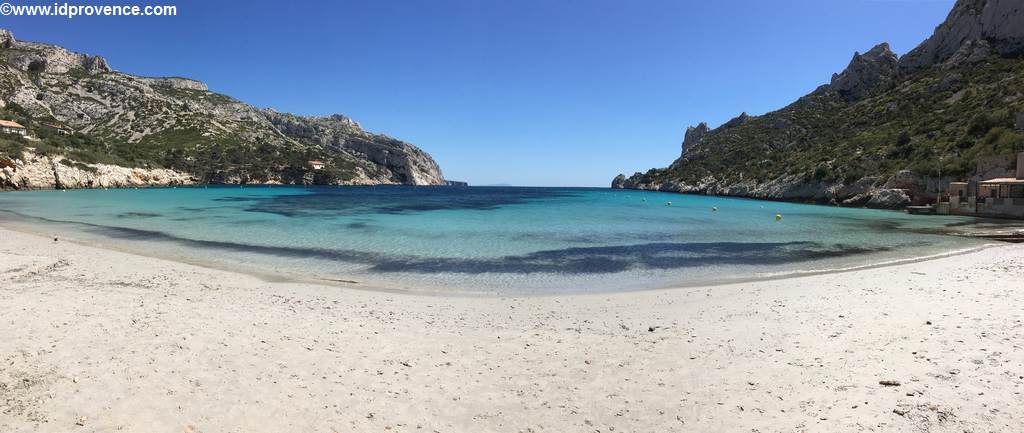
{"points": [[889, 382]]}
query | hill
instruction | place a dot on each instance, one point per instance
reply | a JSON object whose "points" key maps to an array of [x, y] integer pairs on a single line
{"points": [[885, 132], [178, 125]]}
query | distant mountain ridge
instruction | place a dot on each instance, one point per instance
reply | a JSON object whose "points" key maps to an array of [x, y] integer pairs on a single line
{"points": [[885, 132], [178, 124]]}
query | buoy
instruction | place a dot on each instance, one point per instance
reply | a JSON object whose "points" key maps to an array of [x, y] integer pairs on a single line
{"points": [[644, 199], [778, 217], [668, 203], [714, 209]]}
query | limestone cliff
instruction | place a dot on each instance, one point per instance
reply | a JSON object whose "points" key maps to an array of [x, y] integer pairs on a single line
{"points": [[177, 123], [44, 172], [866, 72], [995, 23]]}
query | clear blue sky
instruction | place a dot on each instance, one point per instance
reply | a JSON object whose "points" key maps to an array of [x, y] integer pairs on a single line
{"points": [[527, 92]]}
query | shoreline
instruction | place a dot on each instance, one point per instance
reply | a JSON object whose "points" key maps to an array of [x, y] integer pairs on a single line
{"points": [[101, 340], [382, 286], [5, 189], [902, 208]]}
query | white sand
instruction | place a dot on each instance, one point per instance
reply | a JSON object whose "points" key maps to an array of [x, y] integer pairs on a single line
{"points": [[138, 344]]}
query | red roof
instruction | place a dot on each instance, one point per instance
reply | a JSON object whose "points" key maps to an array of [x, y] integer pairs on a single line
{"points": [[11, 124]]}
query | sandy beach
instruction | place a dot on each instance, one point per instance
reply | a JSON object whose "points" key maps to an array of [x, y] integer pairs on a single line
{"points": [[102, 341]]}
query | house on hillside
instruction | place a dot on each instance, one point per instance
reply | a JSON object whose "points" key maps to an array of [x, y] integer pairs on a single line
{"points": [[12, 127], [59, 128], [998, 197], [317, 164]]}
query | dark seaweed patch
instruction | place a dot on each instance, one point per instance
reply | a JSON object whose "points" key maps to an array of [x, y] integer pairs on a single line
{"points": [[138, 215], [599, 260], [392, 200], [586, 260]]}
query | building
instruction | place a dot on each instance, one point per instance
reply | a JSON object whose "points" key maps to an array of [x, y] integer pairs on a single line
{"points": [[60, 129], [317, 164], [12, 127], [997, 197]]}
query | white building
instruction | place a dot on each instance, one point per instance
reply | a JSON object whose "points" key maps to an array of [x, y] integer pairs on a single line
{"points": [[12, 127]]}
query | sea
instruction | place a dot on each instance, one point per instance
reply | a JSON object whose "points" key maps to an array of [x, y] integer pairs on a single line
{"points": [[483, 240]]}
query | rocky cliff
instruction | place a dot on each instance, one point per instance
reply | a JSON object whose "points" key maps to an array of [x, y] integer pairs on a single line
{"points": [[57, 172], [178, 124], [996, 25], [885, 132]]}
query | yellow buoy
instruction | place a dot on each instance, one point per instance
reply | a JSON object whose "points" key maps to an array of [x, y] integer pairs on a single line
{"points": [[778, 217]]}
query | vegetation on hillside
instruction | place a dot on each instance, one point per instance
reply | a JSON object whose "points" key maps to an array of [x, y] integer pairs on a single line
{"points": [[934, 121], [210, 160]]}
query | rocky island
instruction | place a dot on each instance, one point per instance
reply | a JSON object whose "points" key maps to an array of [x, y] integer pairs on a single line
{"points": [[87, 125], [886, 132]]}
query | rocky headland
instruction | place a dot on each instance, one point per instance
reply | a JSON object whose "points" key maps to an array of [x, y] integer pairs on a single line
{"points": [[886, 132], [172, 130]]}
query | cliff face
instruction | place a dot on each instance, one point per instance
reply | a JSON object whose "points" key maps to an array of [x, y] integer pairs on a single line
{"points": [[44, 172], [177, 123], [998, 24], [885, 132]]}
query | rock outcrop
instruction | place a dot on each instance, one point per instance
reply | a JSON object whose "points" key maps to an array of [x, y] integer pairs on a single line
{"points": [[177, 122], [889, 199], [44, 172], [619, 182], [868, 191], [6, 39], [177, 83], [694, 135], [742, 119], [866, 72], [998, 22], [43, 58]]}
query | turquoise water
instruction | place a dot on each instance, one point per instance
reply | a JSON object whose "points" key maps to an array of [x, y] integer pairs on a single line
{"points": [[481, 239]]}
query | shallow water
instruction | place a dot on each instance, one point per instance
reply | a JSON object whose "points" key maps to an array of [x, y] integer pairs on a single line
{"points": [[483, 239]]}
